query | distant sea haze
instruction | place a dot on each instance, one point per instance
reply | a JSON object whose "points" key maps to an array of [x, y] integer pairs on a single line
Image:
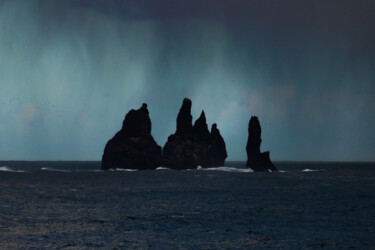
{"points": [[70, 70]]}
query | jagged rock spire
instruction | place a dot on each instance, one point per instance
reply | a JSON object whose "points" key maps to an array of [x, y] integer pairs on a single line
{"points": [[200, 127], [256, 160], [219, 148], [193, 146], [254, 139], [184, 118]]}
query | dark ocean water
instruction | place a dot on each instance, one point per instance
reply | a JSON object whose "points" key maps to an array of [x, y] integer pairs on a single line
{"points": [[73, 205]]}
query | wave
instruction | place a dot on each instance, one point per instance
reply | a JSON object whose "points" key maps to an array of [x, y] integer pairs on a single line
{"points": [[163, 168], [55, 170], [71, 170], [312, 170], [91, 170], [199, 168], [8, 169], [123, 170], [227, 169]]}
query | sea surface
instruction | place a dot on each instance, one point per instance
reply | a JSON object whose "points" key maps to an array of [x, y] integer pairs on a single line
{"points": [[75, 205]]}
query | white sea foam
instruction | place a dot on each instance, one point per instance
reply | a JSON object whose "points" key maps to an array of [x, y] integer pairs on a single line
{"points": [[123, 170], [55, 170], [312, 170], [227, 169], [163, 168], [8, 169], [87, 170]]}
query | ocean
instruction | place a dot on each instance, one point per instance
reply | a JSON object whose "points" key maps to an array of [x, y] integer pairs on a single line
{"points": [[74, 205]]}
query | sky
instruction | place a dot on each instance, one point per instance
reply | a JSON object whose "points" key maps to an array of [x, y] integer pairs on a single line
{"points": [[70, 71]]}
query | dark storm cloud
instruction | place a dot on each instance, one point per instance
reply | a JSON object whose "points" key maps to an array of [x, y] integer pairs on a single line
{"points": [[306, 68]]}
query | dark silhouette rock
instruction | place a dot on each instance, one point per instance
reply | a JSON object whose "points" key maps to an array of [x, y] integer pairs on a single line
{"points": [[256, 160], [193, 146], [200, 128], [133, 147], [184, 119], [219, 150]]}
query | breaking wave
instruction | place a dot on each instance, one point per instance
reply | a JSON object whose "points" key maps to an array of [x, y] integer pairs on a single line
{"points": [[312, 170], [199, 168], [55, 170], [123, 170], [227, 169], [8, 169], [71, 170], [163, 168]]}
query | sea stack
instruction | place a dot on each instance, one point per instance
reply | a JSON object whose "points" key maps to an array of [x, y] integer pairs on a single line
{"points": [[218, 147], [133, 147], [192, 146], [256, 160]]}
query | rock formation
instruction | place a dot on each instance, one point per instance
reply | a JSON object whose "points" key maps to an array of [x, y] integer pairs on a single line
{"points": [[193, 146], [218, 149], [133, 147], [256, 160]]}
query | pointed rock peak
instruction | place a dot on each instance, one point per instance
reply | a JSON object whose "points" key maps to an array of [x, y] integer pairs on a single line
{"points": [[186, 100], [201, 119], [137, 122], [200, 127], [218, 146], [254, 120], [214, 130], [203, 116], [254, 140], [144, 108], [254, 125], [186, 105], [184, 118]]}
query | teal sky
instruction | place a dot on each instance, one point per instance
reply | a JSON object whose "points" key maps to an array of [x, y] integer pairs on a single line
{"points": [[71, 70]]}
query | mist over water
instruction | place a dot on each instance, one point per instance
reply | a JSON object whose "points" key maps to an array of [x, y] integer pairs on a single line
{"points": [[71, 70]]}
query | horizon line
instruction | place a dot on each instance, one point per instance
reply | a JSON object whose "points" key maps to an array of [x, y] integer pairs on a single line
{"points": [[277, 161]]}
